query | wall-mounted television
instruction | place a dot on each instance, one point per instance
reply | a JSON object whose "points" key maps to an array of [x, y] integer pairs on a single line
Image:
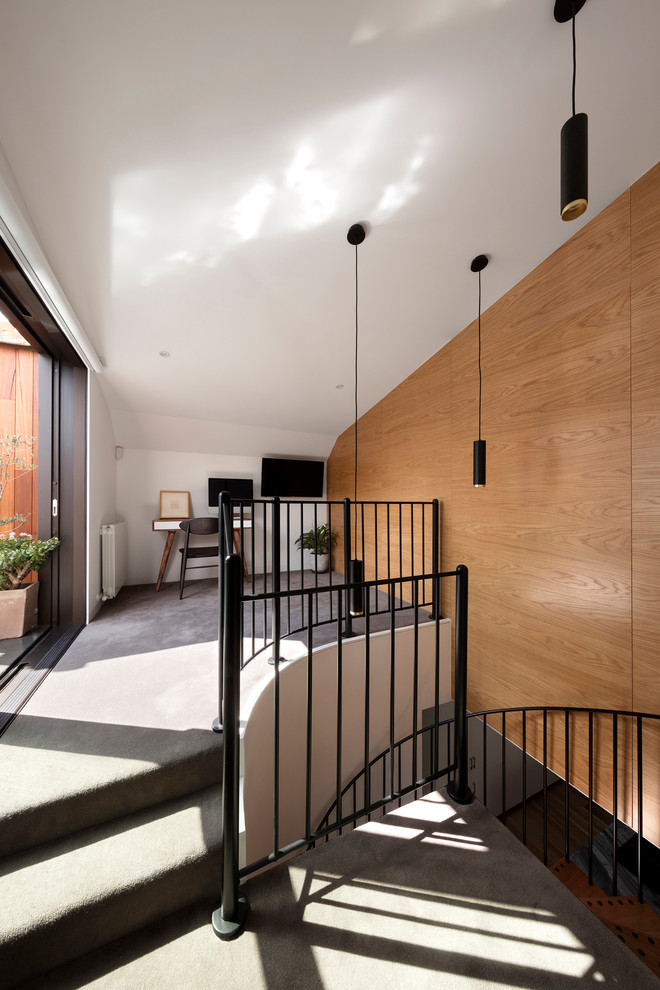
{"points": [[290, 478], [237, 488]]}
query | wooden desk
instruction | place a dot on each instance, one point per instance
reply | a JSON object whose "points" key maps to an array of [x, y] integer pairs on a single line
{"points": [[171, 527]]}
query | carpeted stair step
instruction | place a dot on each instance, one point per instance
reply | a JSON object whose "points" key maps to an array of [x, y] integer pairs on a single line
{"points": [[73, 895], [59, 776], [634, 923]]}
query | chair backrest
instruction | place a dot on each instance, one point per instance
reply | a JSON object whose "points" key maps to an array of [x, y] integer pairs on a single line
{"points": [[202, 526]]}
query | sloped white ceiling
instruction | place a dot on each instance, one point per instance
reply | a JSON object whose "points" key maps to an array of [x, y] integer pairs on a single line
{"points": [[191, 169]]}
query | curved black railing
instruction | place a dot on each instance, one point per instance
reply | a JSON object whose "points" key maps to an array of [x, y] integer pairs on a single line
{"points": [[624, 731]]}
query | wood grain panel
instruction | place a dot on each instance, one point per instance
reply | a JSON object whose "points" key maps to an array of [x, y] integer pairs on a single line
{"points": [[563, 544], [645, 376]]}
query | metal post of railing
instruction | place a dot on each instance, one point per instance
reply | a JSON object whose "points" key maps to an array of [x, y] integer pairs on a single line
{"points": [[459, 790], [276, 569], [348, 621], [224, 510], [230, 913], [435, 559]]}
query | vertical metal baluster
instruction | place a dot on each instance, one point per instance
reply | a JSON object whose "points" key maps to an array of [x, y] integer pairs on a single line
{"points": [[302, 555], [367, 709], [229, 915], [288, 566], [436, 701], [424, 598], [332, 562], [615, 798], [316, 559], [524, 775], [265, 565], [415, 677], [348, 631], [400, 554], [392, 675], [412, 539], [640, 822], [450, 759], [567, 791], [389, 559], [590, 815], [276, 740], [253, 606], [399, 787], [485, 760], [545, 786], [376, 574], [364, 572], [504, 767], [308, 765], [435, 557], [340, 687]]}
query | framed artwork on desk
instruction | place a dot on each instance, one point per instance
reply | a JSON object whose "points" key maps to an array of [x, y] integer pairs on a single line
{"points": [[174, 505]]}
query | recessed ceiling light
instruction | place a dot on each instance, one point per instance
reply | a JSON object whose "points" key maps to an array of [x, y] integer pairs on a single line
{"points": [[164, 353]]}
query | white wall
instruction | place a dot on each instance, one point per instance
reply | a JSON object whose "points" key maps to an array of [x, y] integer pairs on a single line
{"points": [[257, 716], [102, 488], [169, 454]]}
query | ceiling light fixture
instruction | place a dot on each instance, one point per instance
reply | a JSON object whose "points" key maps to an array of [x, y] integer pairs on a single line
{"points": [[574, 136], [355, 236], [479, 447]]}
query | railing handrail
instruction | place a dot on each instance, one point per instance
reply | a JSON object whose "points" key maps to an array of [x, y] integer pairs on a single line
{"points": [[320, 589]]}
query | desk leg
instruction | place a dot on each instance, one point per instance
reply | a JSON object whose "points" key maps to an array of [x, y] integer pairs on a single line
{"points": [[239, 550], [166, 556]]}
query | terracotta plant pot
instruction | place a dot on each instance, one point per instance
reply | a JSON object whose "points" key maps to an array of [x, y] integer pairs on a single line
{"points": [[18, 610]]}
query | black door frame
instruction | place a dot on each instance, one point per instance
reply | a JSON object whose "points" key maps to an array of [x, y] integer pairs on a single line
{"points": [[62, 448]]}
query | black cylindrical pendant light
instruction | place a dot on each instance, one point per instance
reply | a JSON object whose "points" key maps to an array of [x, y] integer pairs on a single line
{"points": [[574, 191], [479, 446], [356, 234]]}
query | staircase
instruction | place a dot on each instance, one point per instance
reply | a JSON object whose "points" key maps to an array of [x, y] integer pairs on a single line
{"points": [[633, 922], [95, 881]]}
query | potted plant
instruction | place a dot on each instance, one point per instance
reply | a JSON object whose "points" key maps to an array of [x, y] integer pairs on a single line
{"points": [[18, 601], [318, 541]]}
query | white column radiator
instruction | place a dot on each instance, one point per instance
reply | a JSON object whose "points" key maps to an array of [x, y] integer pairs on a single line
{"points": [[114, 551]]}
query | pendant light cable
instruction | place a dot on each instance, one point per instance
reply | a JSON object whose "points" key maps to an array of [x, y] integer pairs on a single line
{"points": [[574, 60], [480, 355], [356, 405]]}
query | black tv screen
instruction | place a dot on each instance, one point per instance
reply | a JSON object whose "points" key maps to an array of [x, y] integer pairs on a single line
{"points": [[237, 488], [291, 478]]}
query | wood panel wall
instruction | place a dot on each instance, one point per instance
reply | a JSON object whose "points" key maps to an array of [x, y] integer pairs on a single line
{"points": [[19, 415], [562, 543]]}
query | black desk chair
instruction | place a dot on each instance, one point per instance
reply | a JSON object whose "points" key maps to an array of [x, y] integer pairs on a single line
{"points": [[203, 526]]}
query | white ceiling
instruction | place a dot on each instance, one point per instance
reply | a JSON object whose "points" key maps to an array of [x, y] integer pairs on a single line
{"points": [[191, 168]]}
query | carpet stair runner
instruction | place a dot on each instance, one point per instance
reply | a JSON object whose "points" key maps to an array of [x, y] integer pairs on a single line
{"points": [[71, 883], [634, 923]]}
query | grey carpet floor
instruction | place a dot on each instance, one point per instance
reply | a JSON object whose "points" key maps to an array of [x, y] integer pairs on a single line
{"points": [[433, 897]]}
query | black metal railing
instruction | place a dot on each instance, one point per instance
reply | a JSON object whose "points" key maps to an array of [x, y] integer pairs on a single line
{"points": [[558, 728], [228, 917], [393, 539]]}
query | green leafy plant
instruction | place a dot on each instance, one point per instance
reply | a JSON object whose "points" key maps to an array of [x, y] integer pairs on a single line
{"points": [[19, 555], [17, 455], [317, 540]]}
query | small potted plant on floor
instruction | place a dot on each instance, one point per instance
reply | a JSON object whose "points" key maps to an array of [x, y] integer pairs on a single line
{"points": [[18, 601], [318, 541]]}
